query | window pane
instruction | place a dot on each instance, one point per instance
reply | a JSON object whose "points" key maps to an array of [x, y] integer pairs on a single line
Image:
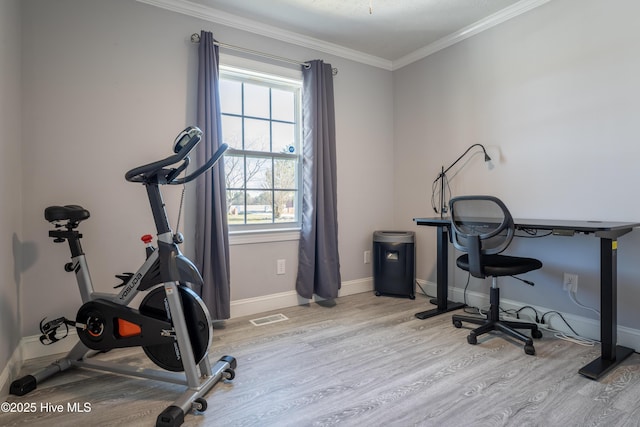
{"points": [[259, 207], [234, 171], [285, 206], [285, 174], [232, 131], [235, 207], [256, 101], [259, 173], [230, 96], [283, 137], [283, 105], [256, 135]]}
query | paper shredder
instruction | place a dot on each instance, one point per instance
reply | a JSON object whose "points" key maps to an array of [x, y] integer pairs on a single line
{"points": [[394, 260]]}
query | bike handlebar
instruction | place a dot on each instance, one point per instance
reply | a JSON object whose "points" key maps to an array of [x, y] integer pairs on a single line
{"points": [[156, 170], [208, 165]]}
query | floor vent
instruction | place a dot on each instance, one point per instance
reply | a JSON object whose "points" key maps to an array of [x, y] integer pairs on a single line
{"points": [[269, 319]]}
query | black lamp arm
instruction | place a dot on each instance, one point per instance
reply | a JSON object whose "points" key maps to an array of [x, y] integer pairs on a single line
{"points": [[442, 176], [486, 157]]}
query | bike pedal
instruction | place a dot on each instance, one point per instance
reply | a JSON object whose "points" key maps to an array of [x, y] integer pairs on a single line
{"points": [[50, 329]]}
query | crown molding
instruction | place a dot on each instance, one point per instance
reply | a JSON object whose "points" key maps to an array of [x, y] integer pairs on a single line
{"points": [[210, 14], [223, 18], [469, 31]]}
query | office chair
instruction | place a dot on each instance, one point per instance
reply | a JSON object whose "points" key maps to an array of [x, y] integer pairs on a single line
{"points": [[482, 227]]}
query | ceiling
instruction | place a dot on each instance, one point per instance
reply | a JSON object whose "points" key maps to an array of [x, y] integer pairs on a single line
{"points": [[387, 33]]}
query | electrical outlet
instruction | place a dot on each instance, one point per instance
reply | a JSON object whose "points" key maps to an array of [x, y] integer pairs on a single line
{"points": [[570, 282], [367, 257], [280, 266]]}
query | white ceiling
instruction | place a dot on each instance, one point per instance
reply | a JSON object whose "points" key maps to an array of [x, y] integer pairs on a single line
{"points": [[392, 34]]}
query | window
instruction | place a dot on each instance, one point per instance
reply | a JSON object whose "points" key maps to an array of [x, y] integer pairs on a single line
{"points": [[261, 124]]}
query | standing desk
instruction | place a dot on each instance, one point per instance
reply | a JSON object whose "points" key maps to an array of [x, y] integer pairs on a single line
{"points": [[608, 233]]}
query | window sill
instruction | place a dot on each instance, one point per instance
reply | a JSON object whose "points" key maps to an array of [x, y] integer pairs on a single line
{"points": [[263, 236]]}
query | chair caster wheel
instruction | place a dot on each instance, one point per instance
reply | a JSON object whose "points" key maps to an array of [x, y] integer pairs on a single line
{"points": [[536, 333], [457, 324], [472, 339], [529, 349]]}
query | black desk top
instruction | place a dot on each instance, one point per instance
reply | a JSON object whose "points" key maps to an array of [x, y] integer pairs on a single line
{"points": [[557, 226]]}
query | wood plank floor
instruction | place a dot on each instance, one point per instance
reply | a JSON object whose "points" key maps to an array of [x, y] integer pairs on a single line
{"points": [[367, 361]]}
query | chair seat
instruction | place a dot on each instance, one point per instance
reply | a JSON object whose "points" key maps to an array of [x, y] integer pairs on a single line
{"points": [[502, 265]]}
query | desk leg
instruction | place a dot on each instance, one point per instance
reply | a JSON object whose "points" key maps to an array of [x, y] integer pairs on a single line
{"points": [[442, 278], [611, 354]]}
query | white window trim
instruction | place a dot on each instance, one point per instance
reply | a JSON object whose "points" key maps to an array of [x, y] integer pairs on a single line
{"points": [[263, 236], [231, 61], [257, 235]]}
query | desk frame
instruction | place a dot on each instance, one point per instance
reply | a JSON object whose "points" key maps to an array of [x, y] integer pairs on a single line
{"points": [[608, 233]]}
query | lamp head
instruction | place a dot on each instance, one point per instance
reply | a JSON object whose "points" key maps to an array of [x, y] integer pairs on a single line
{"points": [[486, 156]]}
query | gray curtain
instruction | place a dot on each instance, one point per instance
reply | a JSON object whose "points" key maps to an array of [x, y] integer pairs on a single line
{"points": [[211, 236], [319, 263]]}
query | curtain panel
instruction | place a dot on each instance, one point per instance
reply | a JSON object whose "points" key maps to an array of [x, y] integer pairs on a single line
{"points": [[319, 262], [211, 229]]}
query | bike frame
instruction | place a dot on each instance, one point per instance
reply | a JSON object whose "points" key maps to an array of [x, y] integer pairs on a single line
{"points": [[165, 266]]}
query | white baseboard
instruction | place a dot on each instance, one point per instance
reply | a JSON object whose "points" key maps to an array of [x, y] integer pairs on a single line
{"points": [[584, 326], [249, 306], [30, 347]]}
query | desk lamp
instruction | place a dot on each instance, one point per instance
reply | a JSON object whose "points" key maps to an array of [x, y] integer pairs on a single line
{"points": [[442, 177]]}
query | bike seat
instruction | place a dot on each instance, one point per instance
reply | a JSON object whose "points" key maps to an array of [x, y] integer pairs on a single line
{"points": [[74, 213]]}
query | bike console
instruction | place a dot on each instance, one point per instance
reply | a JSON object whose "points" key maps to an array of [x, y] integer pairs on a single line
{"points": [[159, 171]]}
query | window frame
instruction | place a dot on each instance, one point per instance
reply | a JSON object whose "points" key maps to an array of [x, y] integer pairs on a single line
{"points": [[269, 75]]}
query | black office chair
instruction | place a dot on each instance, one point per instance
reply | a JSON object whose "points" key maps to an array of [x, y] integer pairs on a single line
{"points": [[482, 227]]}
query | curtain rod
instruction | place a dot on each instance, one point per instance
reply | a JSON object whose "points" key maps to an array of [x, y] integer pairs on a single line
{"points": [[195, 38]]}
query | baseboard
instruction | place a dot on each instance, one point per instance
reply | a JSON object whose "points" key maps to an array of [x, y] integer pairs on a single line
{"points": [[250, 306], [10, 371], [584, 326], [30, 347]]}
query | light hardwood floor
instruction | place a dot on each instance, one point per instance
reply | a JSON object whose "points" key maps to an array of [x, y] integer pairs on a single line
{"points": [[367, 361]]}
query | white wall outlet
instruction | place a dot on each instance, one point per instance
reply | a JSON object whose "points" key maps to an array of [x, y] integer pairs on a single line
{"points": [[280, 266], [570, 282], [367, 257]]}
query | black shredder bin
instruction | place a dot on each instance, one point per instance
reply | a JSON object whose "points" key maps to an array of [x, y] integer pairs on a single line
{"points": [[394, 260]]}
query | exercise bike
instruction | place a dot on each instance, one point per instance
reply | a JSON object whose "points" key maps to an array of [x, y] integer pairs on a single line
{"points": [[171, 323]]}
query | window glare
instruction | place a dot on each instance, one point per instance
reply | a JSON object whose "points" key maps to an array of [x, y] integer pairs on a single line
{"points": [[256, 101], [232, 131], [283, 136], [231, 97], [256, 135], [282, 104]]}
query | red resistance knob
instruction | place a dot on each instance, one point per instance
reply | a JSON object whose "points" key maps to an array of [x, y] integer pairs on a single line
{"points": [[147, 238]]}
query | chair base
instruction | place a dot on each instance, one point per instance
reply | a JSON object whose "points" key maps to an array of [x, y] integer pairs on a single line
{"points": [[493, 323]]}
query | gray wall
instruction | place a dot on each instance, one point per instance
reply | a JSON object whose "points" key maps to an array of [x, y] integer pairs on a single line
{"points": [[11, 239], [107, 85], [553, 95]]}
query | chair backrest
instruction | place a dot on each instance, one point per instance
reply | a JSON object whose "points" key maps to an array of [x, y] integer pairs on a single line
{"points": [[480, 225]]}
